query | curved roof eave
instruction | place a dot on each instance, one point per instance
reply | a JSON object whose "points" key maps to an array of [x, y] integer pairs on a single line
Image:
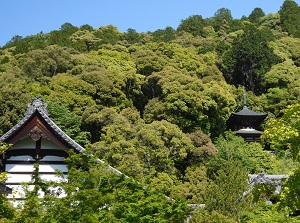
{"points": [[247, 112], [60, 133], [38, 107]]}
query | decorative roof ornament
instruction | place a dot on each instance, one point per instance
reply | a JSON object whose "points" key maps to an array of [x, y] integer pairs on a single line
{"points": [[36, 104]]}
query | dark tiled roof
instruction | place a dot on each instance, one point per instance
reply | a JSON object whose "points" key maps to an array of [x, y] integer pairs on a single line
{"points": [[247, 112]]}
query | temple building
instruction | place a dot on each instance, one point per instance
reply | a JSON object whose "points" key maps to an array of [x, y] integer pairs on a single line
{"points": [[35, 139], [247, 123]]}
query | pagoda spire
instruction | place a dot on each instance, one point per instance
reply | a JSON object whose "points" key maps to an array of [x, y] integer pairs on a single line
{"points": [[244, 97]]}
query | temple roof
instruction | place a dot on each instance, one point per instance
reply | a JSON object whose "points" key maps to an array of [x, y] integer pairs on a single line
{"points": [[264, 178], [247, 112], [37, 115], [245, 119], [39, 109]]}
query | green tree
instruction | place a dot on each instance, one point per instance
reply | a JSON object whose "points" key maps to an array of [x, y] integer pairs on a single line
{"points": [[187, 102], [39, 64], [282, 82], [85, 36], [249, 58], [221, 19], [148, 61], [110, 88], [290, 18], [69, 122], [13, 98], [7, 211], [71, 92], [271, 21], [284, 133], [94, 193], [203, 216], [255, 15], [225, 192], [193, 24], [164, 35], [108, 35], [290, 192], [249, 155], [266, 213]]}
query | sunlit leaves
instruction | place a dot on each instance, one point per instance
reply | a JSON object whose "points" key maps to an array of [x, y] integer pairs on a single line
{"points": [[284, 133]]}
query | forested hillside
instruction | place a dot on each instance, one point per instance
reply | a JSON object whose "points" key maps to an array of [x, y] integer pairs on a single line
{"points": [[154, 106]]}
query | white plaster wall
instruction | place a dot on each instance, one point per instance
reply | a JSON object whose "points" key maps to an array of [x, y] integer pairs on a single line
{"points": [[30, 167], [22, 173], [29, 143]]}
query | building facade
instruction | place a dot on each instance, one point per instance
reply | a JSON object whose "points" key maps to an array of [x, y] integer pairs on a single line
{"points": [[35, 139]]}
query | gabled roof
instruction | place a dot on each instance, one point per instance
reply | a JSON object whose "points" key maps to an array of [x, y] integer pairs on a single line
{"points": [[37, 123], [37, 115]]}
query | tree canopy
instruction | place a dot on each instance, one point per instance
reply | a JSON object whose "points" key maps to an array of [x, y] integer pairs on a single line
{"points": [[154, 105]]}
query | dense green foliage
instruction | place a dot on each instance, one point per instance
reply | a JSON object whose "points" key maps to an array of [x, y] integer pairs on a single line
{"points": [[154, 105]]}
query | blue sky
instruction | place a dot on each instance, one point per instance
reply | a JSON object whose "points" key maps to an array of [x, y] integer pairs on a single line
{"points": [[29, 17]]}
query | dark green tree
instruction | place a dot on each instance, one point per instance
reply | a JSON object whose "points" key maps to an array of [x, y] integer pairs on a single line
{"points": [[256, 14], [221, 19], [164, 35], [290, 18], [61, 37], [69, 122], [132, 36], [249, 58]]}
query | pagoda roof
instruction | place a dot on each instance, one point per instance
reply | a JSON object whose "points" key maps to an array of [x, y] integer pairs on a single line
{"points": [[247, 112]]}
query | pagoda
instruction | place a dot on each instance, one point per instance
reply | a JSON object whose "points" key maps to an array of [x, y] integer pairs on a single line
{"points": [[246, 123]]}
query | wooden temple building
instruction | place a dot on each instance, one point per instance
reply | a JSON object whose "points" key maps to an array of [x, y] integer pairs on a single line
{"points": [[35, 139], [247, 123]]}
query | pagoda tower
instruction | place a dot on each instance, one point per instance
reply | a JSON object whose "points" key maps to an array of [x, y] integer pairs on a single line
{"points": [[247, 123]]}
